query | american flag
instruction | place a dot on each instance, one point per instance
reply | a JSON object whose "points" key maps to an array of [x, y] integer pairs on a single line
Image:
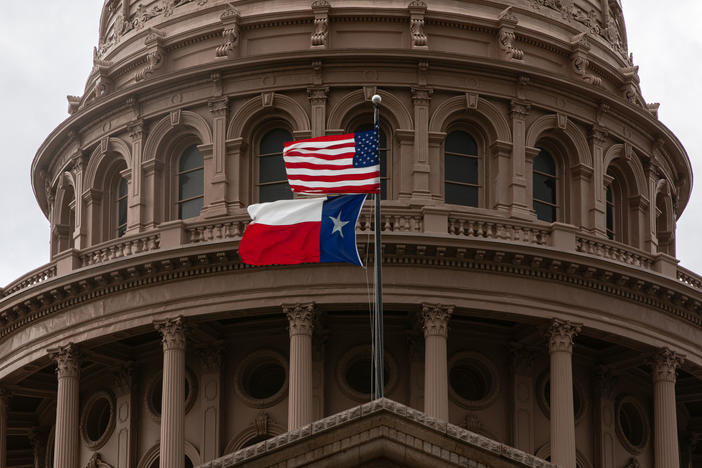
{"points": [[334, 164]]}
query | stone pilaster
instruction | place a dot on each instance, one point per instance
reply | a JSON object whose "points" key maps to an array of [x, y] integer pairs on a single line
{"points": [[135, 198], [212, 396], [38, 441], [66, 443], [435, 319], [522, 364], [216, 164], [4, 402], [173, 392], [126, 412], [560, 344], [301, 319], [318, 102], [604, 415], [518, 199], [79, 236], [665, 424], [421, 97], [415, 354], [598, 210]]}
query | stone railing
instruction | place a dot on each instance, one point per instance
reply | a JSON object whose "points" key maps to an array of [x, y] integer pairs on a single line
{"points": [[34, 277], [489, 228], [118, 248], [221, 230], [614, 251], [689, 278], [392, 220]]}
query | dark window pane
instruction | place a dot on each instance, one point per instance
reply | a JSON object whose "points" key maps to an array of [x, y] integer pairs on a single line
{"points": [[191, 159], [273, 141], [190, 208], [122, 212], [543, 162], [191, 184], [461, 142], [545, 212], [461, 194], [275, 192], [461, 169], [122, 191], [544, 188], [272, 169]]}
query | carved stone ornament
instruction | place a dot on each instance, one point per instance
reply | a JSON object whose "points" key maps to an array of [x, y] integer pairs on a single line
{"points": [[665, 364], [507, 22], [320, 36], [211, 357], [124, 378], [172, 333], [435, 319], [156, 55], [301, 318], [633, 463], [67, 360], [261, 423], [579, 61], [96, 462], [560, 335], [230, 19], [417, 11]]}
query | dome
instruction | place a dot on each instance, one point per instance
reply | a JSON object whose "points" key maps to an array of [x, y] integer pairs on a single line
{"points": [[534, 305]]}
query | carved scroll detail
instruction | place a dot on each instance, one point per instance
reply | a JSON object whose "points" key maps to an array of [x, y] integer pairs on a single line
{"points": [[507, 22], [581, 46], [230, 20], [156, 55], [320, 36], [418, 37]]}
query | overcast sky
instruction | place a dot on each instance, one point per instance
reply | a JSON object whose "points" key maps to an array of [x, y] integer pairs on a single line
{"points": [[46, 54]]}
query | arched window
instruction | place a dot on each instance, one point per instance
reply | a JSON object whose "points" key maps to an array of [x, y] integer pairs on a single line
{"points": [[461, 166], [665, 230], [610, 213], [545, 184], [272, 179], [191, 183], [121, 208], [383, 150]]}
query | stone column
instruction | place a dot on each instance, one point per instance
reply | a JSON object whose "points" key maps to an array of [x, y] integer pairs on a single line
{"points": [[415, 355], [135, 198], [560, 345], [435, 319], [598, 209], [4, 402], [79, 237], [421, 169], [605, 433], [519, 204], [301, 319], [665, 424], [126, 421], [66, 443], [173, 393], [216, 166], [211, 401]]}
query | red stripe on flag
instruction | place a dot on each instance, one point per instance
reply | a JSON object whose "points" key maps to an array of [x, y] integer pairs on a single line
{"points": [[263, 244], [306, 165], [345, 136], [334, 178], [371, 188]]}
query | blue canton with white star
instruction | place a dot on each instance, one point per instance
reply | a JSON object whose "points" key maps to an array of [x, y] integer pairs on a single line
{"points": [[337, 234], [366, 148]]}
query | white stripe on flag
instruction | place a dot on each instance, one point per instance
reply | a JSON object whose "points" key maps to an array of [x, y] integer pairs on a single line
{"points": [[286, 212], [318, 144], [332, 172], [310, 160], [343, 183], [331, 151]]}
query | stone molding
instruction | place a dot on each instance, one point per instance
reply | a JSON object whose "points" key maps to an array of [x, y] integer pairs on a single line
{"points": [[301, 318], [435, 319], [560, 335], [665, 364], [379, 407], [172, 333], [67, 360]]}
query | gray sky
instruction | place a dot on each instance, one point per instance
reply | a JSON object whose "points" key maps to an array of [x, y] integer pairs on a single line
{"points": [[46, 54]]}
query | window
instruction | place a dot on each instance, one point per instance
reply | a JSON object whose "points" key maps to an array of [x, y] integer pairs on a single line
{"points": [[122, 207], [191, 183], [383, 150], [461, 166], [545, 181], [610, 213], [272, 179]]}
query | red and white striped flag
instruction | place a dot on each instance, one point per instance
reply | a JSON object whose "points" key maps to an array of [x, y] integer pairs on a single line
{"points": [[334, 164]]}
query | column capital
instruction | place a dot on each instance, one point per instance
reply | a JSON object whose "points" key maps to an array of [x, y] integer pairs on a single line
{"points": [[421, 96], [211, 357], [136, 129], [124, 378], [172, 332], [560, 335], [521, 359], [665, 364], [301, 318], [318, 95], [219, 106], [519, 108], [67, 360], [435, 319]]}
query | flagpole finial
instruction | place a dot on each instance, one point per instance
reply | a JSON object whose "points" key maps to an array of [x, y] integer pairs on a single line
{"points": [[376, 99]]}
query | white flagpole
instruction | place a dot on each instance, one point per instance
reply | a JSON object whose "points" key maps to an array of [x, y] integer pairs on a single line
{"points": [[378, 360]]}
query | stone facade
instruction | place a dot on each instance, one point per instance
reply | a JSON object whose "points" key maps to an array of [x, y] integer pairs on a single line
{"points": [[554, 257]]}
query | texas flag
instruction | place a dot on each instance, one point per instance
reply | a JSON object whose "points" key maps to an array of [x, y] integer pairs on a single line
{"points": [[313, 230]]}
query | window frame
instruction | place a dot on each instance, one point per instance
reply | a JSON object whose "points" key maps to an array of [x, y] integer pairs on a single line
{"points": [[557, 186], [264, 131], [480, 163], [178, 173]]}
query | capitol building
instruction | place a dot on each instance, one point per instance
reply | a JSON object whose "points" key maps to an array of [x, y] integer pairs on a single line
{"points": [[529, 204]]}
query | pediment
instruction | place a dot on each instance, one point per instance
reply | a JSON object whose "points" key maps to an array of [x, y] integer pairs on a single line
{"points": [[382, 433]]}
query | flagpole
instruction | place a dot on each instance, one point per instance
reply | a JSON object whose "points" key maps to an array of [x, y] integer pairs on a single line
{"points": [[378, 360]]}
